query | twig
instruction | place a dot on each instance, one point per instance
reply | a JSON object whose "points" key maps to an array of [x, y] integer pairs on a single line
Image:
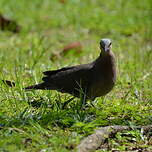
{"points": [[94, 141]]}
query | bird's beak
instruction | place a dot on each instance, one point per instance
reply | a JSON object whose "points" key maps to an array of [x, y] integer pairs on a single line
{"points": [[106, 48]]}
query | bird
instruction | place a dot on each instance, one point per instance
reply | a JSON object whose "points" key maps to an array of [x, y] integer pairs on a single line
{"points": [[90, 80]]}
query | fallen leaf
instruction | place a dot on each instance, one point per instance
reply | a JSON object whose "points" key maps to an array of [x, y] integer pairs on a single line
{"points": [[71, 48], [74, 47], [9, 83], [62, 1], [8, 25]]}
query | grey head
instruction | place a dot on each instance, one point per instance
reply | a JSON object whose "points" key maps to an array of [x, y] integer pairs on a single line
{"points": [[105, 45]]}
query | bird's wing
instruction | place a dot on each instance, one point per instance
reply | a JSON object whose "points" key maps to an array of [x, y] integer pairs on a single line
{"points": [[52, 72], [69, 79]]}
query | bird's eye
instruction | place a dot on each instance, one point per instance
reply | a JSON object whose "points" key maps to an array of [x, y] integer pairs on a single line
{"points": [[110, 44]]}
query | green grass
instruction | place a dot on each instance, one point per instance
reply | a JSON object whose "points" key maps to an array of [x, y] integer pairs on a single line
{"points": [[35, 120]]}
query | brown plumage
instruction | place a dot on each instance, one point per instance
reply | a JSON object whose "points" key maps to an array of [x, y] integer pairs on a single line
{"points": [[92, 80]]}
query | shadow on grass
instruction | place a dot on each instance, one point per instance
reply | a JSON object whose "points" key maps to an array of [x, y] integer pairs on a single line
{"points": [[82, 120]]}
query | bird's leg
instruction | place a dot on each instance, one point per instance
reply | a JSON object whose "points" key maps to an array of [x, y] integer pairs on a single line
{"points": [[66, 102], [83, 98]]}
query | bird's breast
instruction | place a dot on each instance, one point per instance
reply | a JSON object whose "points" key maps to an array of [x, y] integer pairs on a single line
{"points": [[101, 87], [104, 78]]}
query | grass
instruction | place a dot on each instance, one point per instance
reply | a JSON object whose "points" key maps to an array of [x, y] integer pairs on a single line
{"points": [[36, 120]]}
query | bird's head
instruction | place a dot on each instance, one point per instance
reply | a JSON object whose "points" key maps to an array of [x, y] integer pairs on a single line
{"points": [[105, 45]]}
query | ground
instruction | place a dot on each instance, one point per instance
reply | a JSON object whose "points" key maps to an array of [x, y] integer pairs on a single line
{"points": [[36, 120]]}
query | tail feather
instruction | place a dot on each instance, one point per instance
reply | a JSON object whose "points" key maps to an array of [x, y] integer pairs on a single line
{"points": [[41, 86]]}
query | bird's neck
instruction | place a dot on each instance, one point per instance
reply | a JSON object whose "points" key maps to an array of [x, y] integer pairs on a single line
{"points": [[107, 64], [107, 58]]}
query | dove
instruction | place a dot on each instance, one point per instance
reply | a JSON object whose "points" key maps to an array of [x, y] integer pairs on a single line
{"points": [[90, 80]]}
